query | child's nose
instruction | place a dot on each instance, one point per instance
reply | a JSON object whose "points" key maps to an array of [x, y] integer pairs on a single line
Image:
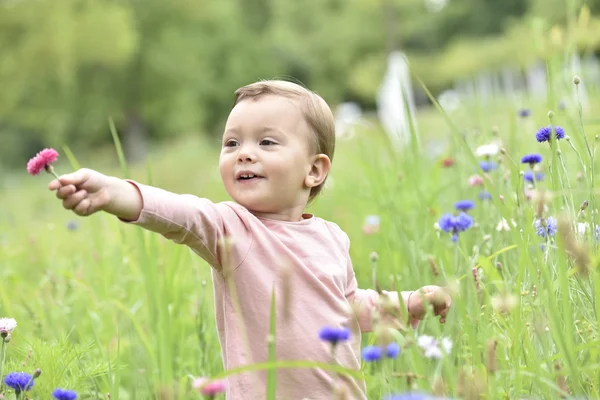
{"points": [[246, 155]]}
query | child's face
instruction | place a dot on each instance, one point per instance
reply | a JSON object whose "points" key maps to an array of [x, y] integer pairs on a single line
{"points": [[266, 163]]}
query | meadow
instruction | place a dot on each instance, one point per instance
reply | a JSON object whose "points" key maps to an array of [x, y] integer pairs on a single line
{"points": [[111, 311]]}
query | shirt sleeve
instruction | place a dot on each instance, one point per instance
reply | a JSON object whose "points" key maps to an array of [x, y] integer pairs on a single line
{"points": [[367, 302], [197, 223]]}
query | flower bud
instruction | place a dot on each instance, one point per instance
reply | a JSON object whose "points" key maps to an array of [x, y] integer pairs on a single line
{"points": [[567, 138], [374, 257], [37, 373], [558, 152], [7, 338], [550, 114], [576, 80]]}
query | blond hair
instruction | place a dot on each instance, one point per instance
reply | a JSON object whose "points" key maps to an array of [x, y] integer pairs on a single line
{"points": [[314, 109]]}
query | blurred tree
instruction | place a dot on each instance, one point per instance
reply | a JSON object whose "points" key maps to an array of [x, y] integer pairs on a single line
{"points": [[165, 68]]}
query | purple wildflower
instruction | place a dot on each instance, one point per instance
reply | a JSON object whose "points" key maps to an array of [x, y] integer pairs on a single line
{"points": [[455, 224], [545, 229], [484, 195], [334, 335], [64, 394], [531, 159], [529, 177], [412, 396], [524, 112], [19, 381], [392, 350], [464, 205], [543, 134], [488, 166], [371, 353]]}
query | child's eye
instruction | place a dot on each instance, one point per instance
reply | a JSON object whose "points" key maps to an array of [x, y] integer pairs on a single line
{"points": [[231, 143], [267, 142]]}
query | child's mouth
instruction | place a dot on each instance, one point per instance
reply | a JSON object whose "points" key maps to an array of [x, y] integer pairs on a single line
{"points": [[249, 177]]}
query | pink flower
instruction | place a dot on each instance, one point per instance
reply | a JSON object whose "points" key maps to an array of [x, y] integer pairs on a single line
{"points": [[42, 160], [475, 180], [448, 162], [208, 387]]}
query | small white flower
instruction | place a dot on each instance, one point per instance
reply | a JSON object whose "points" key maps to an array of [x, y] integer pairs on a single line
{"points": [[372, 220], [7, 325], [431, 346], [487, 150], [503, 225], [371, 224], [447, 344], [582, 228]]}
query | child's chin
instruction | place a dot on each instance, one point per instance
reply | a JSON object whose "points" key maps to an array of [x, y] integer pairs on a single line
{"points": [[253, 204]]}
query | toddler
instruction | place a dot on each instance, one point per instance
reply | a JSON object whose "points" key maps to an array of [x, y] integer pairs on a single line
{"points": [[276, 153]]}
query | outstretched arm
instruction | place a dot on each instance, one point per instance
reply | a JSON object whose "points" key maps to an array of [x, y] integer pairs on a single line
{"points": [[87, 191], [184, 219]]}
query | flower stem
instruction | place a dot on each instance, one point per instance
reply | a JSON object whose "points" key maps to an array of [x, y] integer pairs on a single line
{"points": [[2, 359], [592, 198], [566, 178]]}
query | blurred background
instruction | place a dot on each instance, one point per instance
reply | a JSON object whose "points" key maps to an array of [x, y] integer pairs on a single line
{"points": [[165, 70]]}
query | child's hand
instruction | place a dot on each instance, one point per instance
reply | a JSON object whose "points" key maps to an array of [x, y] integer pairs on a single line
{"points": [[86, 191], [420, 299]]}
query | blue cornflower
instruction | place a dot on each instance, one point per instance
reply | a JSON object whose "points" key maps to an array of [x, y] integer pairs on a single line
{"points": [[562, 104], [19, 381], [455, 224], [392, 350], [547, 229], [412, 396], [464, 205], [524, 112], [334, 335], [539, 176], [488, 166], [543, 134], [371, 353], [484, 195], [72, 225], [64, 394], [531, 159]]}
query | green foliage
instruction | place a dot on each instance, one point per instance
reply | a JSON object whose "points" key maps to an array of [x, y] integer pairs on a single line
{"points": [[164, 69], [145, 304]]}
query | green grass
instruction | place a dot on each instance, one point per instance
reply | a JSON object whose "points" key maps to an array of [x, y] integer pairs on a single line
{"points": [[109, 308]]}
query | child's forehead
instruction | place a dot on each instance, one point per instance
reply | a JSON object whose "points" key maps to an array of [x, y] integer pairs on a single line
{"points": [[264, 112]]}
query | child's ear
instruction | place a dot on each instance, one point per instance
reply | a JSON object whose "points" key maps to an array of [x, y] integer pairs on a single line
{"points": [[318, 172]]}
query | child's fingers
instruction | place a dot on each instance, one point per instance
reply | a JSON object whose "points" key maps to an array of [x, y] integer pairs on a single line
{"points": [[65, 191], [76, 178], [71, 201], [83, 207], [55, 184]]}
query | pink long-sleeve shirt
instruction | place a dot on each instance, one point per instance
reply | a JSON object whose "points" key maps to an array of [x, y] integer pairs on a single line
{"points": [[306, 263]]}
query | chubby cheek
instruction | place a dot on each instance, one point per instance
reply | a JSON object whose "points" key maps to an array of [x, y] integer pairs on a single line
{"points": [[226, 171]]}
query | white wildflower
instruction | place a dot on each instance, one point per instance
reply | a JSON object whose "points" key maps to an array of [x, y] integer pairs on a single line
{"points": [[371, 224], [7, 325], [487, 150], [503, 225], [582, 228], [431, 346]]}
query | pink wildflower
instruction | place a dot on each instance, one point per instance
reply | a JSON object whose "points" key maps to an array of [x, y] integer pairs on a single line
{"points": [[42, 160], [209, 388], [448, 162], [475, 180]]}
